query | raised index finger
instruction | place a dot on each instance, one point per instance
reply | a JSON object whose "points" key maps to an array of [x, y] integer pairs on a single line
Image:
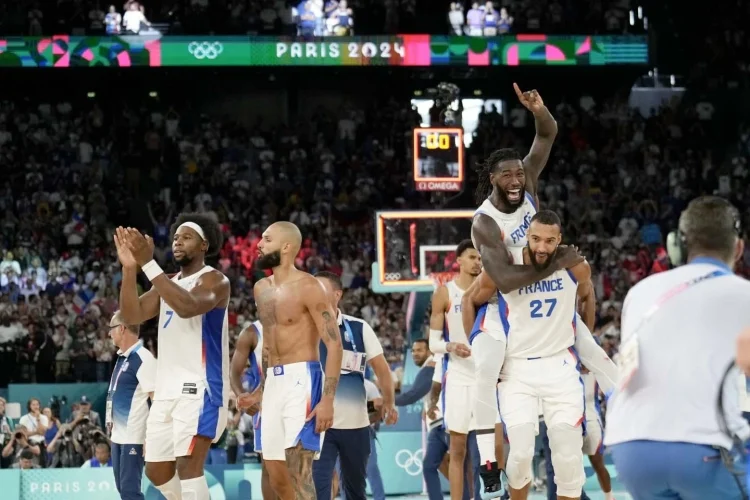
{"points": [[518, 90]]}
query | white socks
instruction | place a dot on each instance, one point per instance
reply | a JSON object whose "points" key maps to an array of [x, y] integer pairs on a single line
{"points": [[609, 496], [172, 489], [195, 489]]}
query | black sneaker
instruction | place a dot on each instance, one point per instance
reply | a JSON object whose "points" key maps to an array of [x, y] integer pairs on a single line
{"points": [[490, 474]]}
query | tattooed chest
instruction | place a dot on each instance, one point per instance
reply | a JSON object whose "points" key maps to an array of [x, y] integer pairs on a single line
{"points": [[267, 308]]}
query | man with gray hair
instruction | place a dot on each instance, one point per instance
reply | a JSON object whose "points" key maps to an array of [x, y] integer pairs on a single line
{"points": [[674, 422], [132, 385]]}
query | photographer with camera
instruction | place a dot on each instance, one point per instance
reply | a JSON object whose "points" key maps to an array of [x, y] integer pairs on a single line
{"points": [[84, 413], [65, 450], [12, 451]]}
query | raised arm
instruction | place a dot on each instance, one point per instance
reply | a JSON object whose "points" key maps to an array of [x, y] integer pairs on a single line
{"points": [[211, 290], [546, 131], [586, 296], [480, 292], [246, 343], [134, 310], [496, 259], [324, 317]]}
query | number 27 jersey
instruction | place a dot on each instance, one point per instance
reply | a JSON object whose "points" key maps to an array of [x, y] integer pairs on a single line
{"points": [[540, 319]]}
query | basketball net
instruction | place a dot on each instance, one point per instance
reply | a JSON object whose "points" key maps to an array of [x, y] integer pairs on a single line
{"points": [[442, 278]]}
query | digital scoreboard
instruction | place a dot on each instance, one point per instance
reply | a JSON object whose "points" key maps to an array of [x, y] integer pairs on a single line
{"points": [[438, 159]]}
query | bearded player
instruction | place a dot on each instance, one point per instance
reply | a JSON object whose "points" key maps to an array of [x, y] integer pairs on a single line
{"points": [[189, 411], [447, 337], [507, 193]]}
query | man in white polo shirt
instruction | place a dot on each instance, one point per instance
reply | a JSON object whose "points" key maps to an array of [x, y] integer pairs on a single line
{"points": [[679, 335], [132, 384]]}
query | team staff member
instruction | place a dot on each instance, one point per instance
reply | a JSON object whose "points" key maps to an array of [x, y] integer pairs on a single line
{"points": [[679, 334], [349, 437], [132, 385]]}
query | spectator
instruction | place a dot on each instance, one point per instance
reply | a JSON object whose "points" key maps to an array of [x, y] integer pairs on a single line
{"points": [[35, 422], [475, 20], [456, 18], [341, 21], [505, 22], [134, 19], [491, 20], [113, 21]]}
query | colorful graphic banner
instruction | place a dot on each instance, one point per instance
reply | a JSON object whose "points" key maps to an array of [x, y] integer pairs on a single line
{"points": [[65, 51]]}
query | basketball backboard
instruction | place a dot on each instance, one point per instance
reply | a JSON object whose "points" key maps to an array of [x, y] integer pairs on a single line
{"points": [[416, 249]]}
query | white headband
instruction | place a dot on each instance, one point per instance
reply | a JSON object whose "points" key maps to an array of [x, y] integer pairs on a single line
{"points": [[195, 227]]}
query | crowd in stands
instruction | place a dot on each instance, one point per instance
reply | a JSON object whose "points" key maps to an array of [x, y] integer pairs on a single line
{"points": [[493, 18], [318, 17]]}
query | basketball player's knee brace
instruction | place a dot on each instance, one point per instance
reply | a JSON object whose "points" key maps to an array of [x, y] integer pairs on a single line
{"points": [[566, 445], [521, 455]]}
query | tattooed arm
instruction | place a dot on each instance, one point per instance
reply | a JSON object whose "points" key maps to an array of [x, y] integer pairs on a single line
{"points": [[325, 319]]}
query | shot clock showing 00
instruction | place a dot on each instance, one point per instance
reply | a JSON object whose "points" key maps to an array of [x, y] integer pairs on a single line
{"points": [[438, 159]]}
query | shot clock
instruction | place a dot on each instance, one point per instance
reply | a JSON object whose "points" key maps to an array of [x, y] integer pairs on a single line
{"points": [[438, 159]]}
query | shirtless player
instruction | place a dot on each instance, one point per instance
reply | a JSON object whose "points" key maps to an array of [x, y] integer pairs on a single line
{"points": [[297, 403]]}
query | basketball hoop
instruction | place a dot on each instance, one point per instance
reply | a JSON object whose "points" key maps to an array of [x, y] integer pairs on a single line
{"points": [[442, 278]]}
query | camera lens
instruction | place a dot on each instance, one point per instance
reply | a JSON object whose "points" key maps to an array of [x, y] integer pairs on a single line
{"points": [[19, 435]]}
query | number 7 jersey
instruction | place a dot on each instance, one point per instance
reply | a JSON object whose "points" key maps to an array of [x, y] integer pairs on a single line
{"points": [[193, 356], [540, 320]]}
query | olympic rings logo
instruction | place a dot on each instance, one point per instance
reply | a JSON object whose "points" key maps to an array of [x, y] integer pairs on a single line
{"points": [[392, 276], [205, 50], [410, 462]]}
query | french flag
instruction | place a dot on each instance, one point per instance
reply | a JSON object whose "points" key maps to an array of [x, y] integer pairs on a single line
{"points": [[81, 301]]}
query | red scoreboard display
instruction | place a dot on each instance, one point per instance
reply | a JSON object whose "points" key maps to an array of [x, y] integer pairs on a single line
{"points": [[438, 159]]}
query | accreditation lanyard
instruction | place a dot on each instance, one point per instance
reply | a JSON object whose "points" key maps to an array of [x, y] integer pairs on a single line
{"points": [[348, 335], [123, 366], [352, 360], [629, 358]]}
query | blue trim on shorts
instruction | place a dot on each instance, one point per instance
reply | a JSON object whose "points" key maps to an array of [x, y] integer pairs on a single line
{"points": [[477, 328], [310, 439], [256, 433], [208, 421], [572, 350]]}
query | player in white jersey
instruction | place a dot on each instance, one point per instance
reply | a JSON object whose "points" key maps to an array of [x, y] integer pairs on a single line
{"points": [[189, 411], [507, 194], [447, 337], [541, 363], [246, 376], [593, 441]]}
